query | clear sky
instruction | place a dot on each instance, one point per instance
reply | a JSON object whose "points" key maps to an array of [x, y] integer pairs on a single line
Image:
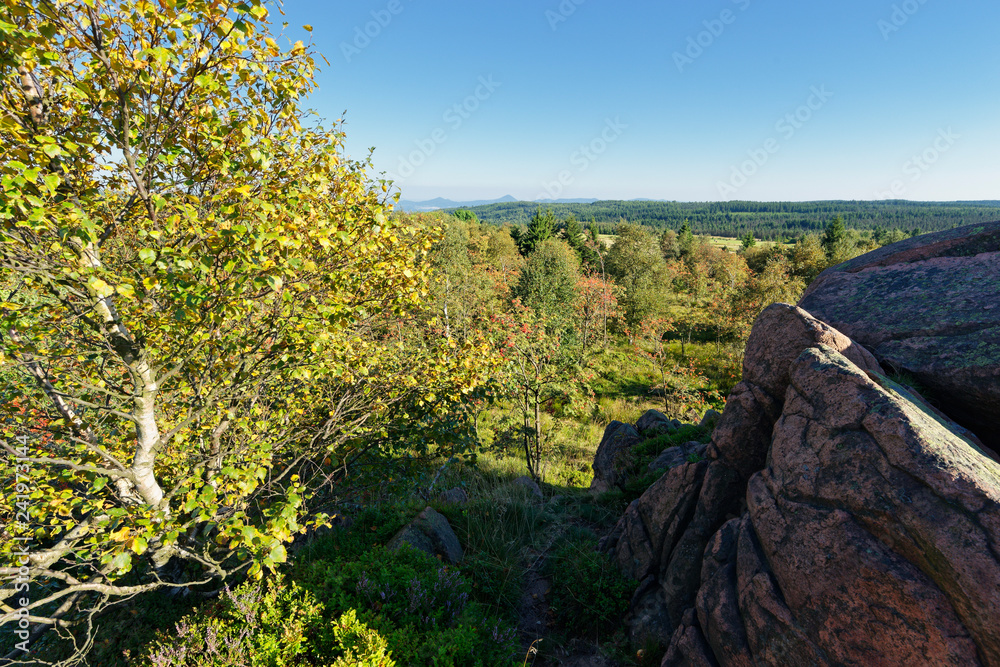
{"points": [[687, 100]]}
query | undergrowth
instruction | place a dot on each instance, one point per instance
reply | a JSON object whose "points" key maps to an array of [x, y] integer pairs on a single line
{"points": [[589, 594], [344, 600]]}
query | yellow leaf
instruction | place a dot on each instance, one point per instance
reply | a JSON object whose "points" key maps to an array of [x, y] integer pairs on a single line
{"points": [[307, 28], [101, 288]]}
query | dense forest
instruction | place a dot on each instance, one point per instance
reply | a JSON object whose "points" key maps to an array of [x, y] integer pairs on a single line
{"points": [[766, 220]]}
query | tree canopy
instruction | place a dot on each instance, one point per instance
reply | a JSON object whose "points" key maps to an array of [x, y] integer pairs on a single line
{"points": [[202, 301]]}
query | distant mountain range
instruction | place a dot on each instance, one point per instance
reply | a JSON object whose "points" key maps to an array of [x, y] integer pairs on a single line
{"points": [[440, 203]]}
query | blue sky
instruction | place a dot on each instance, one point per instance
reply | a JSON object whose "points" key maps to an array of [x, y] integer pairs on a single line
{"points": [[687, 100]]}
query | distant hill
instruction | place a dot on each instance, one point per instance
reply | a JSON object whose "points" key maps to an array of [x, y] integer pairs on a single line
{"points": [[767, 220], [440, 203]]}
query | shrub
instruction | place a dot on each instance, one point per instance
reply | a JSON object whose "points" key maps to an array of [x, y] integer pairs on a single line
{"points": [[589, 594], [423, 610], [362, 647], [268, 626], [639, 476], [380, 608]]}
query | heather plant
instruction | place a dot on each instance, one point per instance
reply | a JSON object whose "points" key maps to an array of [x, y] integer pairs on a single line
{"points": [[362, 646], [421, 608], [249, 626], [379, 609]]}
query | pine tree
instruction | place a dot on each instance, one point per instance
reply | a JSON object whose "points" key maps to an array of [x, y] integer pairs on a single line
{"points": [[573, 232], [685, 240], [833, 235], [540, 227]]}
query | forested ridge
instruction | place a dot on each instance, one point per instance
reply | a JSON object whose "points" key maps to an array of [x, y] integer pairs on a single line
{"points": [[766, 220]]}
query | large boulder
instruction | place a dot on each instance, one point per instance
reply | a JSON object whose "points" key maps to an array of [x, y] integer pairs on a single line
{"points": [[876, 514], [743, 434], [841, 518], [613, 456], [643, 543], [644, 538], [739, 448], [431, 533], [928, 307], [869, 537]]}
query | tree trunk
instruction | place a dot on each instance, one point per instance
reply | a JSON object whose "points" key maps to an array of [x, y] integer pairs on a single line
{"points": [[447, 295], [538, 439], [527, 430], [663, 380]]}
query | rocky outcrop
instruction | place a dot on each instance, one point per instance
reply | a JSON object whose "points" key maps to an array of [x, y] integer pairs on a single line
{"points": [[654, 422], [928, 307], [431, 533], [672, 457], [738, 449], [613, 456], [874, 514], [839, 519]]}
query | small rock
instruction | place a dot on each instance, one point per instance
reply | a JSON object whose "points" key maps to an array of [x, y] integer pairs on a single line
{"points": [[455, 496], [431, 533], [654, 422], [672, 457], [613, 456], [530, 485], [710, 419]]}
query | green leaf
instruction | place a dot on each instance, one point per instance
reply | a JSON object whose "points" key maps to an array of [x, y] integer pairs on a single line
{"points": [[139, 545], [52, 182], [122, 562]]}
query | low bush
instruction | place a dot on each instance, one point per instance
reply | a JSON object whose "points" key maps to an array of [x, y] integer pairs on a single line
{"points": [[423, 610], [589, 593], [252, 626], [639, 476], [346, 601], [648, 450]]}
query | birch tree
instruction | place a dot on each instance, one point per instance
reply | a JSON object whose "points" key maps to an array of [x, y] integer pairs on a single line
{"points": [[196, 286]]}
